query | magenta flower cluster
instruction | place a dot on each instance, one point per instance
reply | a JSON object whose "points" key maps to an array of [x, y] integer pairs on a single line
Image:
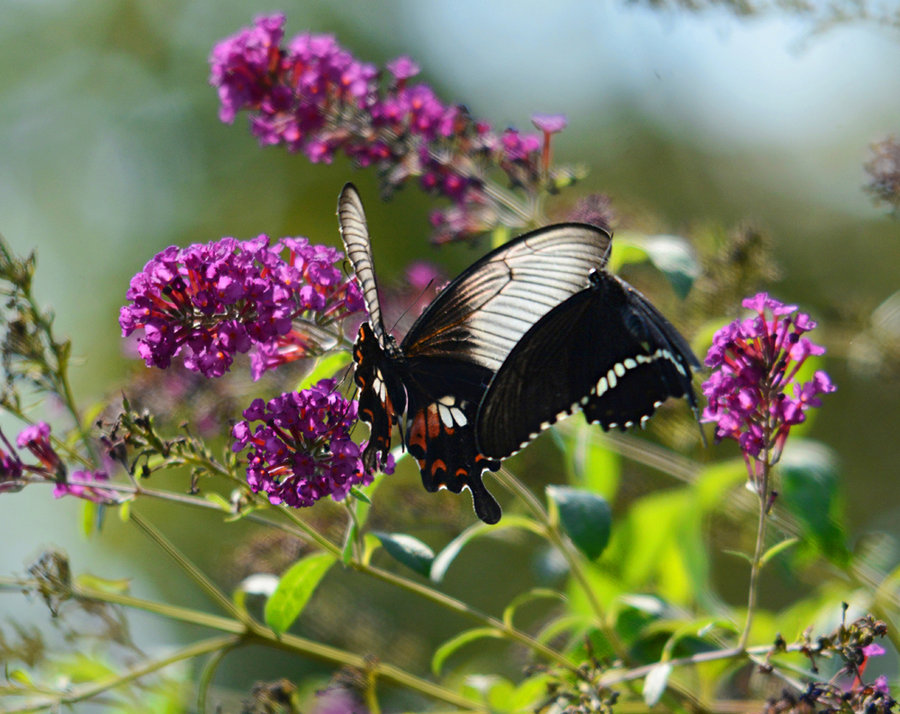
{"points": [[213, 301], [314, 97], [49, 467], [753, 393], [302, 450]]}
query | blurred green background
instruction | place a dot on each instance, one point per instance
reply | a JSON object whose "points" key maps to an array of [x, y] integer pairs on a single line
{"points": [[110, 150]]}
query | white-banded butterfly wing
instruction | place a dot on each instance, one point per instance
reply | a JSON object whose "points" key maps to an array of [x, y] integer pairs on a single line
{"points": [[605, 350], [440, 371]]}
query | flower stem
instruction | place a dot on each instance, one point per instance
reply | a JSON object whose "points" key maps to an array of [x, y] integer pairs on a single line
{"points": [[762, 486]]}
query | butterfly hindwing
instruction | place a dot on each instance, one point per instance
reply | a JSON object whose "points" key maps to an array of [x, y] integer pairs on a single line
{"points": [[443, 401], [605, 349]]}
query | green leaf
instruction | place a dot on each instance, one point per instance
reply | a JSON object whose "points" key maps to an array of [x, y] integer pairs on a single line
{"points": [[295, 589], [119, 585], [776, 549], [412, 552], [655, 683], [529, 596], [443, 560], [360, 496], [463, 638], [324, 368], [585, 517], [219, 500], [738, 554], [627, 249], [674, 257], [809, 490]]}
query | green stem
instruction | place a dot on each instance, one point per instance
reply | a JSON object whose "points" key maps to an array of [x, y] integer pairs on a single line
{"points": [[763, 492], [80, 694], [462, 608], [192, 570], [254, 633], [424, 591]]}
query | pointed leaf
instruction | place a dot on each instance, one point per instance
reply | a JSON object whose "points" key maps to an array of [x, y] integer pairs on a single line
{"points": [[776, 549], [655, 683], [412, 552], [585, 517], [295, 589], [463, 638]]}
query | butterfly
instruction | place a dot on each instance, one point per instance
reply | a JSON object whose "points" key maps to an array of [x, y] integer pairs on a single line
{"points": [[432, 382], [605, 349]]}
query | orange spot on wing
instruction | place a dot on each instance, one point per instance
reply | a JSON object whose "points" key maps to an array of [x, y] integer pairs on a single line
{"points": [[417, 432], [438, 465]]}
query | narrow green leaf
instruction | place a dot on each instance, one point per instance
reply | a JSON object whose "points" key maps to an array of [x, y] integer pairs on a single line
{"points": [[125, 511], [776, 549], [585, 517], [412, 552], [295, 589], [529, 596], [119, 585], [451, 550], [20, 676], [359, 495], [655, 683], [219, 500], [324, 368], [738, 554], [463, 638]]}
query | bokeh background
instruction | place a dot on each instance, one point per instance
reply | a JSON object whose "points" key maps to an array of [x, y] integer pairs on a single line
{"points": [[110, 150]]}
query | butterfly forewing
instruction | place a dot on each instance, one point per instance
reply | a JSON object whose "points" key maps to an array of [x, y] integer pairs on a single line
{"points": [[605, 349], [481, 315], [355, 235]]}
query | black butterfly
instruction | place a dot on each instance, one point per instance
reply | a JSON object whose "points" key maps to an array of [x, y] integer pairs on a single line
{"points": [[606, 349], [439, 373]]}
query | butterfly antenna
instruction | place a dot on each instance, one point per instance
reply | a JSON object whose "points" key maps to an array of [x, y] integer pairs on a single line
{"points": [[410, 306]]}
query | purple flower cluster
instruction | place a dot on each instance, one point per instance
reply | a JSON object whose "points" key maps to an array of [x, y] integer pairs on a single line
{"points": [[50, 467], [218, 299], [315, 97], [302, 451], [753, 394]]}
